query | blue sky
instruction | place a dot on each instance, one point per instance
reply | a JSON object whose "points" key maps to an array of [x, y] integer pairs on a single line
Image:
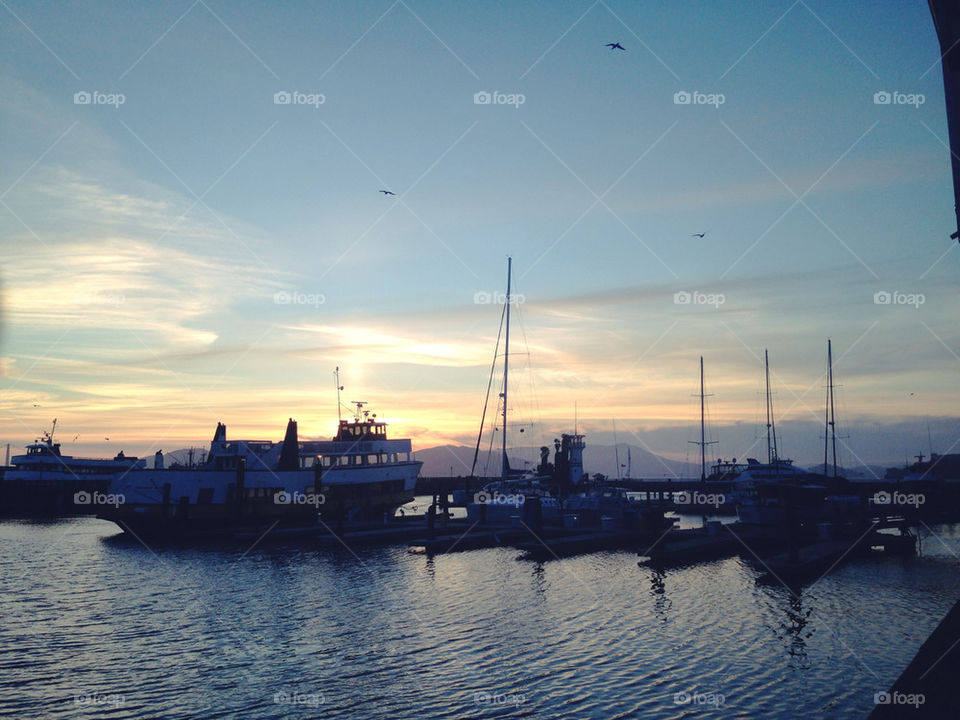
{"points": [[145, 242]]}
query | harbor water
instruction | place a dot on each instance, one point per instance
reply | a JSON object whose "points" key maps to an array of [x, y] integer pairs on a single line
{"points": [[95, 624]]}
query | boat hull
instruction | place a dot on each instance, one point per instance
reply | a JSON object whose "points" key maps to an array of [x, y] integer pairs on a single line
{"points": [[182, 503]]}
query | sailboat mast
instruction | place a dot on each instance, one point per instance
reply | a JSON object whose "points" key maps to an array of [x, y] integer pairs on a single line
{"points": [[771, 428], [826, 415], [506, 367], [833, 419], [703, 431]]}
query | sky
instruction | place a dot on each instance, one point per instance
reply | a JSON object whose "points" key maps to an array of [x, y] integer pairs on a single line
{"points": [[182, 246]]}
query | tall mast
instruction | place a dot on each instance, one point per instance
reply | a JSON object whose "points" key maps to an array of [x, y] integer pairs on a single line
{"points": [[826, 414], [506, 366], [832, 423], [703, 438], [771, 428], [703, 428]]}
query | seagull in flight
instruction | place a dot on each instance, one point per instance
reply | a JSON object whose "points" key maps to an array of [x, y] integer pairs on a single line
{"points": [[699, 235], [387, 192], [615, 46]]}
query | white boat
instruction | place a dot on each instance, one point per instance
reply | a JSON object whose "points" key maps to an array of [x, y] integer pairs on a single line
{"points": [[360, 474], [44, 481]]}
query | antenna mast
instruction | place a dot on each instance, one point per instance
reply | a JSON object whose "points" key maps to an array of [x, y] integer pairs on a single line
{"points": [[336, 375]]}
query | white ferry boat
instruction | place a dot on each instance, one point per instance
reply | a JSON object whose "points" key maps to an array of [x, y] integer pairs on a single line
{"points": [[360, 474]]}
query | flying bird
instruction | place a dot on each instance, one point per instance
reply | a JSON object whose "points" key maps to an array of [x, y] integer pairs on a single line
{"points": [[699, 235], [387, 192], [615, 46]]}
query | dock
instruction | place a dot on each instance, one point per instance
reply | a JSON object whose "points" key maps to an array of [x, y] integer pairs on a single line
{"points": [[581, 542], [809, 561], [697, 545]]}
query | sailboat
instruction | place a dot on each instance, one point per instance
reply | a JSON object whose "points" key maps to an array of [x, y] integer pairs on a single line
{"points": [[502, 499], [776, 492]]}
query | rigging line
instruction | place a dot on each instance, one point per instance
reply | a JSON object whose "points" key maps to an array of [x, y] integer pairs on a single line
{"points": [[486, 400]]}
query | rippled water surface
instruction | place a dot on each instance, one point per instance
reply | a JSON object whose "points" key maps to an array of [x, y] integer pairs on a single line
{"points": [[95, 625]]}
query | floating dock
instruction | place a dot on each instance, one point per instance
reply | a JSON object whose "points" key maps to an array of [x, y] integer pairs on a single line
{"points": [[696, 545], [811, 561]]}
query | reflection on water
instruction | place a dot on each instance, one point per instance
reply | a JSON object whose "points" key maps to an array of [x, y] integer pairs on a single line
{"points": [[100, 626]]}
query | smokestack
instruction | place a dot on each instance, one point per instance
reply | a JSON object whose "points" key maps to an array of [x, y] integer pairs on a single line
{"points": [[290, 453]]}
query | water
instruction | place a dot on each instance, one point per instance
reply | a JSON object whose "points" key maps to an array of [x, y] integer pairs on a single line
{"points": [[96, 625]]}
